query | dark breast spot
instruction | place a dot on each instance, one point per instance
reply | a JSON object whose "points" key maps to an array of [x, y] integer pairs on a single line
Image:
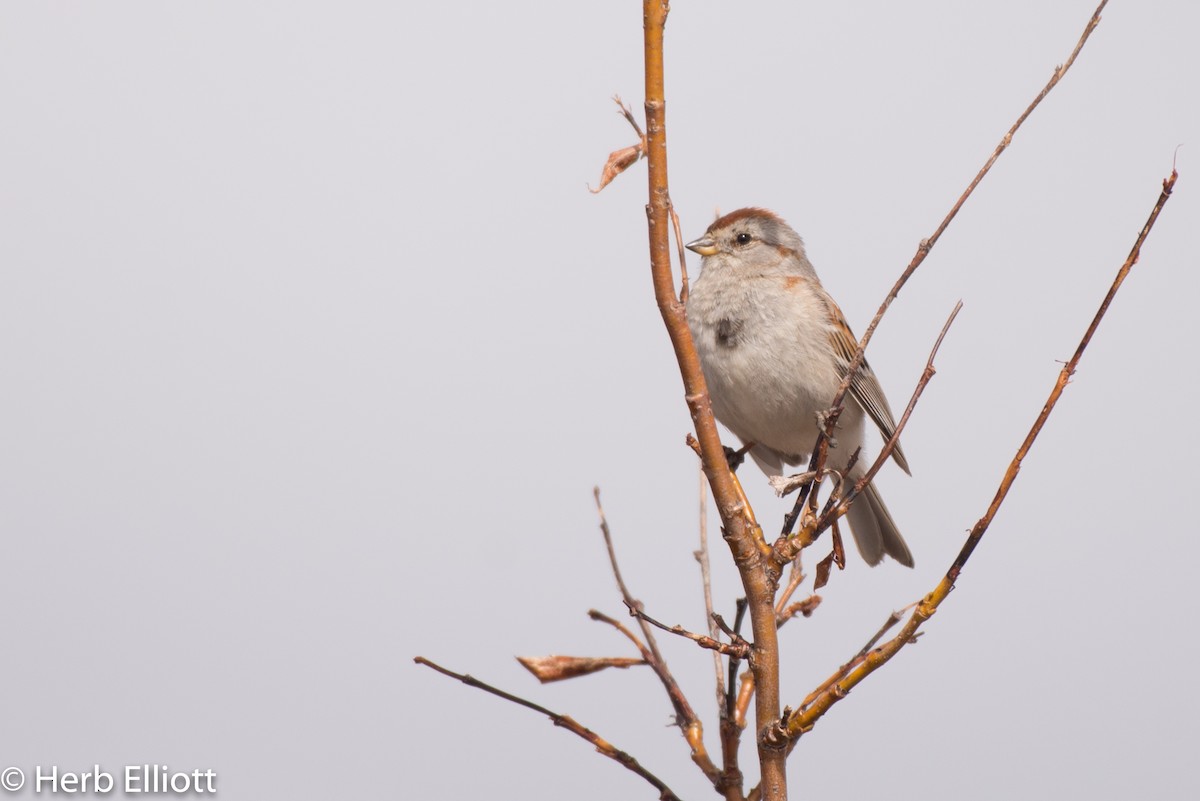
{"points": [[728, 330]]}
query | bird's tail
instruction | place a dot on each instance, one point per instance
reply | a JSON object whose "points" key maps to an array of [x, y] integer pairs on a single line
{"points": [[875, 532]]}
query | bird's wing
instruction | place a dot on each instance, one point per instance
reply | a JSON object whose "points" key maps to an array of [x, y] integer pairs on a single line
{"points": [[865, 386]]}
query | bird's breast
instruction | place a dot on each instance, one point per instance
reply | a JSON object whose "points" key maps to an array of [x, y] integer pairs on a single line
{"points": [[767, 359]]}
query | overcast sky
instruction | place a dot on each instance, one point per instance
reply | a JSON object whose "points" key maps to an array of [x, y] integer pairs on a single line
{"points": [[315, 343]]}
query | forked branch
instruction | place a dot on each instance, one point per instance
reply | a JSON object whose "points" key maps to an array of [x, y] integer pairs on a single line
{"points": [[786, 548], [796, 723], [565, 721], [685, 716], [820, 450]]}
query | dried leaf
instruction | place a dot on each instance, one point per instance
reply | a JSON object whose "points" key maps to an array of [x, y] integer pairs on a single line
{"points": [[618, 162], [823, 568], [557, 668], [621, 160]]}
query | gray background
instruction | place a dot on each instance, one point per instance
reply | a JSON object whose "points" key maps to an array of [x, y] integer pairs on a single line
{"points": [[314, 344]]}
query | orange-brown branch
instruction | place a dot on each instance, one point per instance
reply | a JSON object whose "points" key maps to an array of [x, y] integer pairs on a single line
{"points": [[565, 721], [740, 532]]}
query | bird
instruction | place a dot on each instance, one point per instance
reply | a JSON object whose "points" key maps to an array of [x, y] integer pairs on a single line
{"points": [[774, 348]]}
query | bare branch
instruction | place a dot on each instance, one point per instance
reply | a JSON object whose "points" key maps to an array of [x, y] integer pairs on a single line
{"points": [[565, 721], [683, 275], [787, 547], [801, 721], [706, 577], [856, 660], [626, 595], [627, 113], [734, 664], [688, 721], [742, 533], [745, 693], [595, 614], [795, 576], [804, 608], [821, 447], [739, 647], [733, 721], [926, 376]]}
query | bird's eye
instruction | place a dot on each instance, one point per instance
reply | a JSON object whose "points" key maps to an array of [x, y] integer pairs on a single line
{"points": [[743, 238]]}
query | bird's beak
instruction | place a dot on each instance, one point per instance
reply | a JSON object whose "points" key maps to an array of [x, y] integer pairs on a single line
{"points": [[704, 246]]}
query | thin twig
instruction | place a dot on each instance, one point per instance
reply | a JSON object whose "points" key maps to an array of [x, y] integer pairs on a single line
{"points": [[599, 616], [686, 718], [797, 723], [804, 608], [627, 112], [565, 721], [626, 595], [745, 688], [854, 661], [620, 160], [926, 376], [820, 448], [745, 693], [783, 612], [739, 647], [706, 577], [730, 726], [787, 547], [683, 275], [724, 627], [738, 616]]}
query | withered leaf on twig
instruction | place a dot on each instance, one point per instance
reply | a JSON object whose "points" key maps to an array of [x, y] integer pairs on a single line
{"points": [[621, 160], [823, 568], [618, 162], [556, 668], [805, 607]]}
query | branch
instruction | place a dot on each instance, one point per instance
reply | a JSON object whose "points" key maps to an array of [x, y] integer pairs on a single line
{"points": [[856, 660], [890, 445], [597, 615], [565, 721], [787, 548], [621, 160], [742, 534], [892, 620], [738, 648], [785, 612], [686, 718], [731, 734], [795, 724], [706, 578], [683, 275], [626, 595], [732, 721], [821, 447]]}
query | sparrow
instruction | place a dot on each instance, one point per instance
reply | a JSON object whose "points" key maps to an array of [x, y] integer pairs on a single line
{"points": [[774, 347]]}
